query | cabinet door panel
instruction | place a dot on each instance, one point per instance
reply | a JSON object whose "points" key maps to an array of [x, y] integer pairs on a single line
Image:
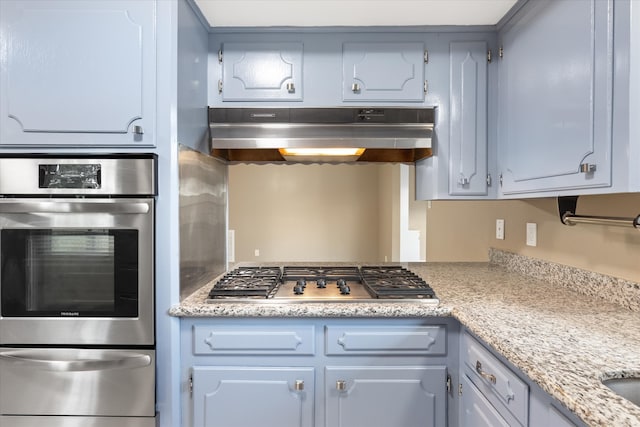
{"points": [[417, 340], [556, 97], [250, 397], [253, 340], [468, 118], [386, 396], [77, 68], [262, 71], [383, 71]]}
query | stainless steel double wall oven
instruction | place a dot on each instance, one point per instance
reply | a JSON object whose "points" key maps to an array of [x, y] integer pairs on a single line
{"points": [[77, 291]]}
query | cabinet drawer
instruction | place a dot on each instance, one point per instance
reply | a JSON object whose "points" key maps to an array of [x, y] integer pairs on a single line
{"points": [[418, 340], [253, 340], [497, 382]]}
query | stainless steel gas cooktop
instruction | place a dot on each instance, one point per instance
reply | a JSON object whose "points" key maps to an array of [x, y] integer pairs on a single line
{"points": [[292, 284]]}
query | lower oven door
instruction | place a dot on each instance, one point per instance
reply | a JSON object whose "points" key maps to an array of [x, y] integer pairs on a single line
{"points": [[73, 383]]}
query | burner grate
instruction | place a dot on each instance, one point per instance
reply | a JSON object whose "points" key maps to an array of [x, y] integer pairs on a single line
{"points": [[395, 282], [253, 282], [315, 273]]}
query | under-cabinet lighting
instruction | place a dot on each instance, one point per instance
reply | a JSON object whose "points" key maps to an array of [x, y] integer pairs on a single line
{"points": [[321, 154]]}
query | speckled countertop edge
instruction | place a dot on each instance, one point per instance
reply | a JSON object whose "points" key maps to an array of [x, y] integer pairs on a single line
{"points": [[555, 328]]}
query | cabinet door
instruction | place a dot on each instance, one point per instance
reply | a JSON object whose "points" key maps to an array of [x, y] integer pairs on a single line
{"points": [[383, 72], [555, 89], [468, 118], [476, 411], [398, 396], [543, 413], [261, 72], [251, 396], [77, 72]]}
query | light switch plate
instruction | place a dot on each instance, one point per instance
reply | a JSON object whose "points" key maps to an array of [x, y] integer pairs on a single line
{"points": [[532, 234], [500, 229]]}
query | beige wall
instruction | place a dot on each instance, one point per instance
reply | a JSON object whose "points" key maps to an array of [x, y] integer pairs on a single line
{"points": [[463, 231], [320, 212], [305, 212]]}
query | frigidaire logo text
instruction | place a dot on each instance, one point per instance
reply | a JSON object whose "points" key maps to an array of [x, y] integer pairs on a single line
{"points": [[69, 313]]}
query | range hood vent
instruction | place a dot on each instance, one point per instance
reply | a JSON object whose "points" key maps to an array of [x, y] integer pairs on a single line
{"points": [[376, 134]]}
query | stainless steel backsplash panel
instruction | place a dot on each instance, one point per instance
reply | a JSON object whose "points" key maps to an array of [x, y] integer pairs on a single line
{"points": [[203, 219]]}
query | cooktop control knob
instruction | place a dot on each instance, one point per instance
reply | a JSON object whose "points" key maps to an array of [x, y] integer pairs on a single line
{"points": [[340, 283], [321, 283], [298, 289], [302, 283], [344, 289]]}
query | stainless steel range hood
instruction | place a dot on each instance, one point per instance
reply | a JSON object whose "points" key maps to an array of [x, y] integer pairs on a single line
{"points": [[270, 134]]}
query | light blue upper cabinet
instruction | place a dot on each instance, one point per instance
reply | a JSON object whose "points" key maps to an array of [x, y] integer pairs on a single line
{"points": [[383, 72], [468, 119], [555, 98], [261, 72], [77, 73], [462, 80]]}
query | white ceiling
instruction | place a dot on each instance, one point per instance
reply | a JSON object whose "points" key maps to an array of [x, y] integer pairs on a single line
{"points": [[312, 13]]}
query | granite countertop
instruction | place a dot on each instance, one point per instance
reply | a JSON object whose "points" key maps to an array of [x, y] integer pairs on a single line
{"points": [[555, 329]]}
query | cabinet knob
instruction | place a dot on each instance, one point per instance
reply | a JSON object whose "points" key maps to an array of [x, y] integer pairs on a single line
{"points": [[341, 385], [489, 377], [587, 168], [299, 385], [355, 87], [291, 88], [463, 181], [138, 130]]}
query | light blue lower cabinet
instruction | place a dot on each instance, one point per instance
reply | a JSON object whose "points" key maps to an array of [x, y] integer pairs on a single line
{"points": [[543, 412], [293, 372], [476, 411], [495, 394], [252, 396], [385, 396]]}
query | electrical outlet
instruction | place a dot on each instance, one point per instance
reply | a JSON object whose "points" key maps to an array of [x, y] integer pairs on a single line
{"points": [[256, 252], [532, 234], [500, 229]]}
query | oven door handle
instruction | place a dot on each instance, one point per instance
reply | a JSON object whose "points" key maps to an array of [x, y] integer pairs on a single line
{"points": [[74, 207], [42, 360]]}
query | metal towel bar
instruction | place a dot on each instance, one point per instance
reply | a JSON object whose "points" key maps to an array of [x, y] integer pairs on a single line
{"points": [[567, 208]]}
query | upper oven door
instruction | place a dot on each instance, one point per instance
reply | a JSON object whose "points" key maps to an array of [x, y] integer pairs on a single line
{"points": [[76, 271]]}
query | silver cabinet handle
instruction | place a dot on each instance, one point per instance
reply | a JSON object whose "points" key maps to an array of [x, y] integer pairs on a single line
{"points": [[355, 87], [73, 207], [341, 385], [39, 360], [299, 385], [291, 88], [587, 168], [138, 130], [483, 374]]}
